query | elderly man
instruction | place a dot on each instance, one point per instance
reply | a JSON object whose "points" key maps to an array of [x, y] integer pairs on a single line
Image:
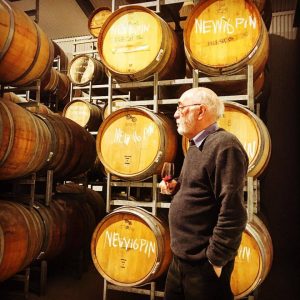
{"points": [[207, 215]]}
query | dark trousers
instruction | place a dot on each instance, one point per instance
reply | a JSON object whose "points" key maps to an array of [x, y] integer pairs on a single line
{"points": [[197, 281]]}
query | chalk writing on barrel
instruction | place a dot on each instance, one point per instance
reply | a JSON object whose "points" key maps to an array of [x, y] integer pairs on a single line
{"points": [[115, 240]]}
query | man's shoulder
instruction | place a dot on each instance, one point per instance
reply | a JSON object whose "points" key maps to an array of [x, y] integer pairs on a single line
{"points": [[224, 135], [224, 139]]}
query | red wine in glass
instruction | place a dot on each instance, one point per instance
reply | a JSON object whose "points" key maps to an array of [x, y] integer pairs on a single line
{"points": [[167, 172]]}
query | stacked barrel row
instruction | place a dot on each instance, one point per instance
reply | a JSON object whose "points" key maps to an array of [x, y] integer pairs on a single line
{"points": [[46, 232], [129, 237], [216, 41], [27, 54], [134, 43], [34, 139], [35, 142]]}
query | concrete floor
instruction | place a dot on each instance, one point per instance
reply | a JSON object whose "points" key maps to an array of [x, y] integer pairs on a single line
{"points": [[66, 283]]}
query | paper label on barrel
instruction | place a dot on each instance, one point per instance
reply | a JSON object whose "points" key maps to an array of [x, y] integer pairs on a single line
{"points": [[224, 32], [127, 250], [130, 144], [132, 42]]}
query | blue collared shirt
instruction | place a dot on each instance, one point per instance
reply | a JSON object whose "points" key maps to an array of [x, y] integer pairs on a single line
{"points": [[201, 136]]}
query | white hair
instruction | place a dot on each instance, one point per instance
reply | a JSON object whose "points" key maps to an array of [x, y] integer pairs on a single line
{"points": [[205, 96]]}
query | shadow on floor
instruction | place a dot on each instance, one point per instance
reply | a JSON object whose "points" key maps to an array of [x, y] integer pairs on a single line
{"points": [[64, 283]]}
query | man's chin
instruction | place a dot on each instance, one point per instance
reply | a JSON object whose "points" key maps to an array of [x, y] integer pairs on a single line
{"points": [[181, 132]]}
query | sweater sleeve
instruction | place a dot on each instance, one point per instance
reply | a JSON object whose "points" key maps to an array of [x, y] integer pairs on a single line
{"points": [[228, 177]]}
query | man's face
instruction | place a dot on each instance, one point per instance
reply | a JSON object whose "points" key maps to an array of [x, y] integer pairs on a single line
{"points": [[185, 116]]}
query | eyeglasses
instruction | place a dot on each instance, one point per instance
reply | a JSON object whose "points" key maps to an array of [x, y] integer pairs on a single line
{"points": [[180, 108]]}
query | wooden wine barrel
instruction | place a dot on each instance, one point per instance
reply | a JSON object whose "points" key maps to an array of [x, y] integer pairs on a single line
{"points": [[83, 151], [115, 105], [61, 56], [53, 221], [125, 240], [93, 198], [84, 113], [134, 43], [26, 52], [75, 224], [25, 144], [96, 172], [73, 148], [60, 237], [84, 69], [40, 108], [57, 83], [186, 8], [179, 15], [63, 88], [169, 12], [143, 140], [251, 132], [50, 81], [224, 41], [239, 87], [61, 143], [80, 222], [96, 20], [10, 96], [21, 238], [254, 259], [36, 107], [90, 223]]}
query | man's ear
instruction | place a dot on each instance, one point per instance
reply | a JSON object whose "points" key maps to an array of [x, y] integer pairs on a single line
{"points": [[201, 112]]}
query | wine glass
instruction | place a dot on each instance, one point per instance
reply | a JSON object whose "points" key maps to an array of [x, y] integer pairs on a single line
{"points": [[167, 172]]}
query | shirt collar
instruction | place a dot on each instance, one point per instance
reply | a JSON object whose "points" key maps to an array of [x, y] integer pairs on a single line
{"points": [[202, 135]]}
